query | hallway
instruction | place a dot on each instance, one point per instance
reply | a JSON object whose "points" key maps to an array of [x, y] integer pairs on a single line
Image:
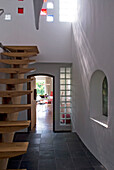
{"points": [[44, 117], [53, 151]]}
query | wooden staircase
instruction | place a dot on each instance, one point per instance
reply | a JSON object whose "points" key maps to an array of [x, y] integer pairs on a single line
{"points": [[16, 60]]}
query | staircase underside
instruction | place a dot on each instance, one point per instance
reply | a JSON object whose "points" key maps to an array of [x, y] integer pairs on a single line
{"points": [[17, 58]]}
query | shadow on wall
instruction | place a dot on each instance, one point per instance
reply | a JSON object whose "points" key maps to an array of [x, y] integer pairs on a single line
{"points": [[37, 8]]}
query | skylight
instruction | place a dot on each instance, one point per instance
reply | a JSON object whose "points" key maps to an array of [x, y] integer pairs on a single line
{"points": [[66, 10]]}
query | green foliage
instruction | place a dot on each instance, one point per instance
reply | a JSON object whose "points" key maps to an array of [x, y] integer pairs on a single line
{"points": [[40, 88]]}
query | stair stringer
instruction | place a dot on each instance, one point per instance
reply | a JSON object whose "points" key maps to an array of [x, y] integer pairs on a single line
{"points": [[8, 137]]}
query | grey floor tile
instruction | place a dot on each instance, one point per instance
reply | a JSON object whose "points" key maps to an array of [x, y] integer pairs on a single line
{"points": [[62, 154], [46, 147], [78, 154], [48, 164], [60, 146], [13, 164], [94, 161], [31, 156], [46, 154], [64, 164], [91, 168], [81, 163], [29, 165], [99, 167]]}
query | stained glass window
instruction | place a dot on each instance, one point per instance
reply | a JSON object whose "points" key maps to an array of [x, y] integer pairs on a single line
{"points": [[105, 97]]}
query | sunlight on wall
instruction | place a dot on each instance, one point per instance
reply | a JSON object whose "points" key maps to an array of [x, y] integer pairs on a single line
{"points": [[67, 10], [85, 55]]}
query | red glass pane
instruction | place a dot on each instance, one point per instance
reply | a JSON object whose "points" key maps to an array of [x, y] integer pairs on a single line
{"points": [[45, 0], [20, 10], [43, 12]]}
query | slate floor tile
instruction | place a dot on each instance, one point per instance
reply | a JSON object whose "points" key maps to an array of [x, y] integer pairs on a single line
{"points": [[48, 164], [81, 163], [99, 167], [29, 165], [94, 161], [77, 154], [31, 156], [13, 164], [46, 147], [60, 146], [64, 164], [62, 154], [46, 141], [46, 154], [54, 151]]}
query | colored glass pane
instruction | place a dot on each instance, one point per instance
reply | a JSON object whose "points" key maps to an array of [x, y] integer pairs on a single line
{"points": [[7, 16], [50, 5], [43, 12], [20, 10], [105, 97]]}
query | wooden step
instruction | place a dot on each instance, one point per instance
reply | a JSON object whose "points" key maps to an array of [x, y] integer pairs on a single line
{"points": [[13, 126], [16, 62], [12, 108], [24, 48], [16, 70], [13, 93], [14, 81], [21, 54], [8, 150]]}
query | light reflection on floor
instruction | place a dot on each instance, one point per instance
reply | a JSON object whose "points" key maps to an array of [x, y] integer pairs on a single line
{"points": [[44, 117]]}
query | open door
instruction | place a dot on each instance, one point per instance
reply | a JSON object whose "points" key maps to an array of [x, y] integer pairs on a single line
{"points": [[31, 100], [41, 98]]}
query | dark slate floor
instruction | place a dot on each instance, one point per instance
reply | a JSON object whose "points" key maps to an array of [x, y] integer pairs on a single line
{"points": [[54, 151]]}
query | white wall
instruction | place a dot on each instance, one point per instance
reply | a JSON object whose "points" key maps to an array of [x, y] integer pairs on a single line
{"points": [[93, 49], [53, 39]]}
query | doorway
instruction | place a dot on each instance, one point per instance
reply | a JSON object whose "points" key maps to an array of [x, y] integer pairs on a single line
{"points": [[42, 112]]}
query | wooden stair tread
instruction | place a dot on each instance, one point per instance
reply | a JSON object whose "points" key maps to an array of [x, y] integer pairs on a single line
{"points": [[13, 93], [14, 81], [18, 62], [25, 48], [12, 126], [12, 108], [14, 123], [8, 150], [14, 105], [16, 70], [21, 54]]}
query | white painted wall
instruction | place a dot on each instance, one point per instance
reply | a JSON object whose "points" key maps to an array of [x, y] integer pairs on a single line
{"points": [[53, 39], [93, 49]]}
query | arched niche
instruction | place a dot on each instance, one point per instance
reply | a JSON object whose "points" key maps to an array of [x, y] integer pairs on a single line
{"points": [[99, 110]]}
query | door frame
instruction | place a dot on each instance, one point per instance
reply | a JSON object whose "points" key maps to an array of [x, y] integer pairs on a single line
{"points": [[29, 98]]}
